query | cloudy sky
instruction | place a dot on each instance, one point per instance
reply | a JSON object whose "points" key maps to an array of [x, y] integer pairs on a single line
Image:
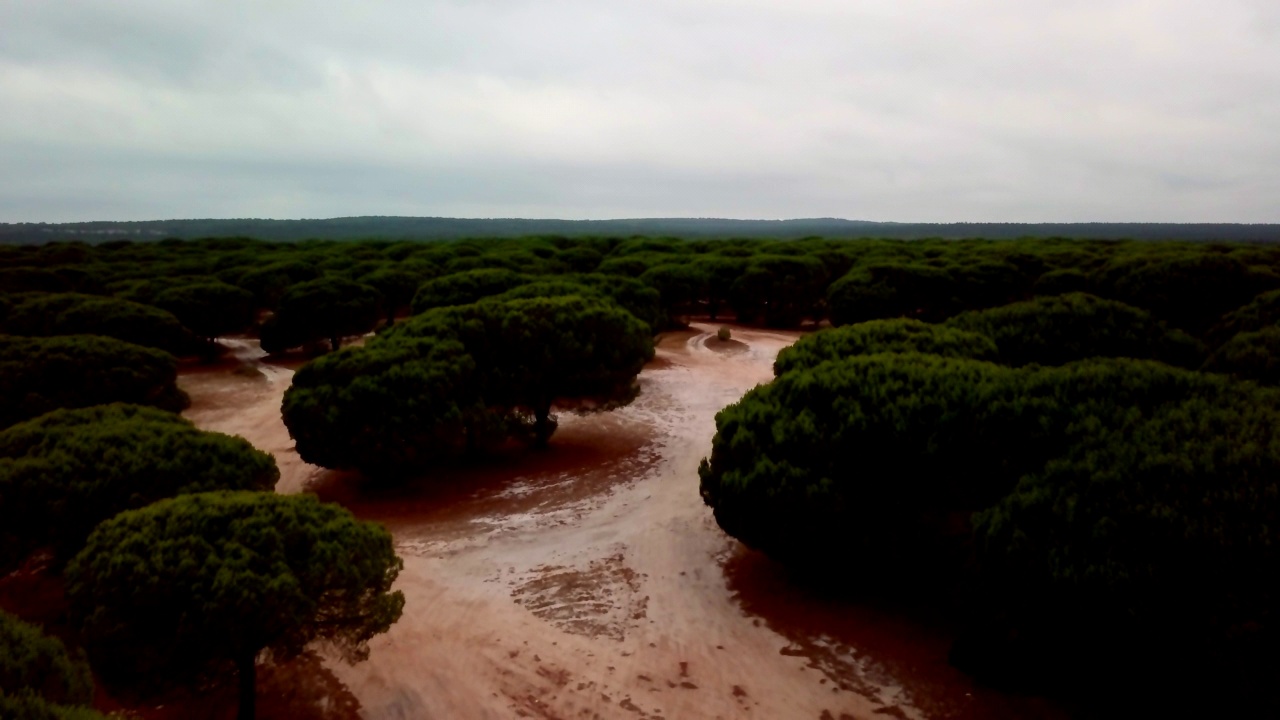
{"points": [[910, 110]]}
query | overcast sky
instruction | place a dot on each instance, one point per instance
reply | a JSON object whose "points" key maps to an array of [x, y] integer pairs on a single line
{"points": [[909, 110]]}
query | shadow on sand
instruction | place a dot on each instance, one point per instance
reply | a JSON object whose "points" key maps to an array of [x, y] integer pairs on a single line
{"points": [[893, 657]]}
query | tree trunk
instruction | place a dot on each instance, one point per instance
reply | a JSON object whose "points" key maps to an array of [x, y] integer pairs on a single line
{"points": [[391, 317], [335, 342], [542, 430], [245, 668]]}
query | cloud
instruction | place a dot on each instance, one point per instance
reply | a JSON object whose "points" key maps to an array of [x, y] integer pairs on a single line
{"points": [[931, 110]]}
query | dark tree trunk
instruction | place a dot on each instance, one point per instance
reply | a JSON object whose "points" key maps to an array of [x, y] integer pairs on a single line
{"points": [[542, 430], [335, 342], [245, 667], [391, 317]]}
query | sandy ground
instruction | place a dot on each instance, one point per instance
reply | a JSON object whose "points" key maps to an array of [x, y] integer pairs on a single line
{"points": [[590, 581]]}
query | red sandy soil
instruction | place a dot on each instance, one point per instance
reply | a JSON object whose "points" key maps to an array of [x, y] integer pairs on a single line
{"points": [[590, 581]]}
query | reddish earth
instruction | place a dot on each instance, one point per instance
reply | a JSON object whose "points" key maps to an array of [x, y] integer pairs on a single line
{"points": [[590, 581]]}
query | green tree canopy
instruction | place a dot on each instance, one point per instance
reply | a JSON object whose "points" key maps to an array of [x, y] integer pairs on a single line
{"points": [[196, 585], [464, 288], [29, 706], [32, 661], [1156, 540], [462, 378], [75, 314], [269, 282], [633, 296], [1190, 289], [389, 408], [782, 290], [861, 455], [144, 289], [38, 375], [636, 264], [327, 308], [581, 259], [901, 335], [1259, 314], [63, 473], [630, 294], [1063, 281], [31, 279], [1250, 356], [680, 286], [396, 286], [210, 308], [1115, 499], [1058, 329], [888, 290], [719, 274]]}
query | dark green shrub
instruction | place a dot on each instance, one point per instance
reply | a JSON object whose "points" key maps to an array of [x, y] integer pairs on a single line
{"points": [[1061, 328], [1250, 356], [884, 336], [63, 473], [464, 288], [34, 662], [74, 314], [38, 375]]}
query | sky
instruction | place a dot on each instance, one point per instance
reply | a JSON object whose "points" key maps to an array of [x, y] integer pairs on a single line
{"points": [[904, 110]]}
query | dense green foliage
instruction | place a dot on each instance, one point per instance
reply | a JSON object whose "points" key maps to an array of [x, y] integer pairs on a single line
{"points": [[1061, 328], [779, 290], [466, 287], [679, 286], [75, 314], [884, 336], [327, 308], [28, 706], [209, 308], [857, 455], [63, 473], [32, 661], [38, 375], [1164, 521], [196, 585], [1259, 314], [270, 282], [461, 379], [633, 296], [1189, 289], [1250, 356], [1096, 504], [396, 286]]}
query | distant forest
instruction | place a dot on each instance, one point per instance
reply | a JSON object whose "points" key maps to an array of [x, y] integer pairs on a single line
{"points": [[434, 228]]}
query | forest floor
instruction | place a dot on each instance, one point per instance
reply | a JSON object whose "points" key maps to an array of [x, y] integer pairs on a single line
{"points": [[590, 581]]}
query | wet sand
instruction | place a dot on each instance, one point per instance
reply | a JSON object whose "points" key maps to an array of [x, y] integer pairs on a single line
{"points": [[590, 581]]}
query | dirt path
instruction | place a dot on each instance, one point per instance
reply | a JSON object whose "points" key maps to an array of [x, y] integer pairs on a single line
{"points": [[592, 582]]}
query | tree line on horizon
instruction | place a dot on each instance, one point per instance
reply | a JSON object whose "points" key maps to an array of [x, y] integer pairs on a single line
{"points": [[442, 228], [1062, 434]]}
